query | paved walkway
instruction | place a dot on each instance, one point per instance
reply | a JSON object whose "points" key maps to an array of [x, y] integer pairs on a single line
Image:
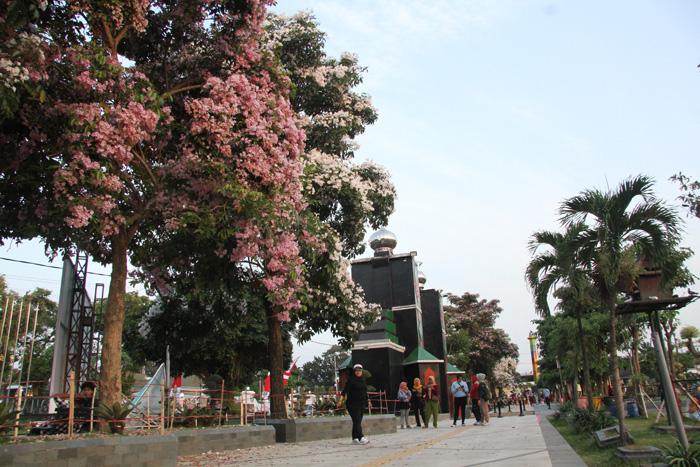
{"points": [[511, 440]]}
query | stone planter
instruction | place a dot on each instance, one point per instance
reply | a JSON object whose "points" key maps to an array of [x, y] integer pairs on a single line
{"points": [[639, 454], [313, 429]]}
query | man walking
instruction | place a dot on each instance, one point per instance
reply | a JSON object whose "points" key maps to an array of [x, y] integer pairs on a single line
{"points": [[473, 395], [546, 394]]}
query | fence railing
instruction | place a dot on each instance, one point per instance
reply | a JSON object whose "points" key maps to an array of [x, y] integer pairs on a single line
{"points": [[161, 409]]}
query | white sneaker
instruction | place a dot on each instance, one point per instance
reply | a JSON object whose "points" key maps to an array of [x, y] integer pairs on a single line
{"points": [[363, 440], [355, 441]]}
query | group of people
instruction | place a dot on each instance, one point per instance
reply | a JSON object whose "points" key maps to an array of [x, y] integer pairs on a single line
{"points": [[423, 399], [427, 398]]}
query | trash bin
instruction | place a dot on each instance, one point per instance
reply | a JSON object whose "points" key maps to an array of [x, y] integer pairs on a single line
{"points": [[632, 409], [613, 410], [597, 401]]}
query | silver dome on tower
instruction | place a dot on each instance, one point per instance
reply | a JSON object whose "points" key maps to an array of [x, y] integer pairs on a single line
{"points": [[383, 242]]}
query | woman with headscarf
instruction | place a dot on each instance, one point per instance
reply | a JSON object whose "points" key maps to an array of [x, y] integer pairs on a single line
{"points": [[355, 394], [403, 397], [484, 397], [418, 402], [432, 400]]}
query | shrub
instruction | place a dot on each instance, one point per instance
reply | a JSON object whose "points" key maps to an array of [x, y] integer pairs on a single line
{"points": [[324, 407], [564, 409], [187, 417], [584, 419], [207, 416], [115, 415], [682, 457], [6, 415]]}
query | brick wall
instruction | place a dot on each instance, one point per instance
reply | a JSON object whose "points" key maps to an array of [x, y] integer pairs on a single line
{"points": [[157, 450], [223, 439], [94, 452]]}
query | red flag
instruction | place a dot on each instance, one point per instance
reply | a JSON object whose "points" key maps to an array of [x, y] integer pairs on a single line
{"points": [[266, 386]]}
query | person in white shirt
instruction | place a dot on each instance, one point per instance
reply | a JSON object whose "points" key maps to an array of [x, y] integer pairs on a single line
{"points": [[460, 391]]}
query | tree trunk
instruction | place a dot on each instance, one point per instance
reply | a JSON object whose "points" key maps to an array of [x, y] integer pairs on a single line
{"points": [[615, 372], [584, 356], [691, 348], [669, 352], [575, 383], [637, 371], [111, 363], [275, 357]]}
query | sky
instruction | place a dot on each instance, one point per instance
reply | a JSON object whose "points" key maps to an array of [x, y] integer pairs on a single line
{"points": [[491, 113]]}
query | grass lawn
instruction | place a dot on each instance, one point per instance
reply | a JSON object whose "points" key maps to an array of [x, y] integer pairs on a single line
{"points": [[640, 428]]}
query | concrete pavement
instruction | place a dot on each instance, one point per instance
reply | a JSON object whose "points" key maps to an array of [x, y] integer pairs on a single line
{"points": [[511, 440]]}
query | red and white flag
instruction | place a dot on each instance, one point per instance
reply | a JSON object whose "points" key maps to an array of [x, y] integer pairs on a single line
{"points": [[266, 387], [175, 387]]}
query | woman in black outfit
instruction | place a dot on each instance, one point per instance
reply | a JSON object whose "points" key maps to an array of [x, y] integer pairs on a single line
{"points": [[355, 394], [418, 402]]}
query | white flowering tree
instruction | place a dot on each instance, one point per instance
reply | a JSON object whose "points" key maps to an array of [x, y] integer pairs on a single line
{"points": [[505, 373], [344, 197]]}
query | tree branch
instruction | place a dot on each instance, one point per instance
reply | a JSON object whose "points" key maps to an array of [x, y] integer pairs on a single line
{"points": [[183, 89], [142, 159], [108, 36]]}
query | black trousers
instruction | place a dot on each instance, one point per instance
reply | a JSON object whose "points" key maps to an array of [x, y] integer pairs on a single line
{"points": [[476, 409], [356, 413], [420, 412], [460, 404]]}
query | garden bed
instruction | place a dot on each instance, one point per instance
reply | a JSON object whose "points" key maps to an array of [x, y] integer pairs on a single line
{"points": [[585, 446]]}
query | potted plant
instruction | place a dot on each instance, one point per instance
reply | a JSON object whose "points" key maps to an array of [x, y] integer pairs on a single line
{"points": [[115, 416]]}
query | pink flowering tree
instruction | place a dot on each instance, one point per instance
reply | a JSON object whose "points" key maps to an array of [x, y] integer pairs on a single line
{"points": [[488, 344], [340, 200], [124, 123], [343, 198]]}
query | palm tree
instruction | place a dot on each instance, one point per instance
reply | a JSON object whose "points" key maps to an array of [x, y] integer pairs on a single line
{"points": [[559, 266], [630, 215]]}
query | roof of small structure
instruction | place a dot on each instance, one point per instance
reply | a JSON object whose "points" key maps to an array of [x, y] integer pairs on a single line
{"points": [[346, 363], [451, 369], [647, 306], [420, 355]]}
